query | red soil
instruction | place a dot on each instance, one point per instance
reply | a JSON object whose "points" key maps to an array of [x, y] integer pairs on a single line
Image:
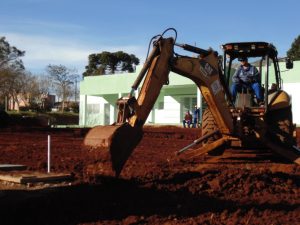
{"points": [[155, 187]]}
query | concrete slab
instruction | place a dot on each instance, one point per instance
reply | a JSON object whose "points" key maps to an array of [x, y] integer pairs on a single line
{"points": [[35, 177], [11, 167]]}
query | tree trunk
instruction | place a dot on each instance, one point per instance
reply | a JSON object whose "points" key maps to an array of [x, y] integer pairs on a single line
{"points": [[63, 100]]}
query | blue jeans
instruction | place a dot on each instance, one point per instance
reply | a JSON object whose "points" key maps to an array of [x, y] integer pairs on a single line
{"points": [[188, 122], [237, 87], [195, 123]]}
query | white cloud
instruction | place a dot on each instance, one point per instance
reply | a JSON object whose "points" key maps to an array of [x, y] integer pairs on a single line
{"points": [[42, 50]]}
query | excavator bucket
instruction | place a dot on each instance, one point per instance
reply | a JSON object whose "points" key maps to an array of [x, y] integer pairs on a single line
{"points": [[115, 143]]}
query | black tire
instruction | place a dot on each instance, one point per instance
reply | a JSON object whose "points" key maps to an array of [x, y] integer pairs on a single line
{"points": [[281, 127], [209, 125]]}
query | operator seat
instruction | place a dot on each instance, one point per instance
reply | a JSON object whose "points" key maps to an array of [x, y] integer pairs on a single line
{"points": [[245, 98]]}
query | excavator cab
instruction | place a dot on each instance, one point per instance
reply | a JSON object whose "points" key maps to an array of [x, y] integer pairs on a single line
{"points": [[259, 54], [276, 105]]}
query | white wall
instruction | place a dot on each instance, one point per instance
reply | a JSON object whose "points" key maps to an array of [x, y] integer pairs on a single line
{"points": [[94, 110], [170, 114], [293, 90]]}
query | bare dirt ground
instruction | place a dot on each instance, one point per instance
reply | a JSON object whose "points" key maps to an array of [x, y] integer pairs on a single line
{"points": [[156, 186]]}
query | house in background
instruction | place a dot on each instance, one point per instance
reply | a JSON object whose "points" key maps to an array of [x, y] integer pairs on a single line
{"points": [[46, 101], [98, 96], [69, 106], [21, 102]]}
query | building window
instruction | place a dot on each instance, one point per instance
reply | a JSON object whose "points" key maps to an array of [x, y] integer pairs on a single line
{"points": [[189, 103], [93, 108]]}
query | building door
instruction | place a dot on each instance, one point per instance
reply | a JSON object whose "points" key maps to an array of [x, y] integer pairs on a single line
{"points": [[187, 103]]}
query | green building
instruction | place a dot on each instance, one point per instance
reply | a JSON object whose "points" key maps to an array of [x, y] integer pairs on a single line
{"points": [[98, 96]]}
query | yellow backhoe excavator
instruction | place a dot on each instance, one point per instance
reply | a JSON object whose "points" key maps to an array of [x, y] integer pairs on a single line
{"points": [[224, 122]]}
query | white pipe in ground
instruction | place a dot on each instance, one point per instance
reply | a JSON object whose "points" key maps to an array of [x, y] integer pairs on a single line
{"points": [[48, 155]]}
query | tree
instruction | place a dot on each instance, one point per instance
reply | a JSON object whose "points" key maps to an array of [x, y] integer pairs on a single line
{"points": [[44, 84], [11, 70], [294, 51], [7, 80], [36, 86], [10, 56], [62, 78], [26, 89], [17, 85], [110, 63]]}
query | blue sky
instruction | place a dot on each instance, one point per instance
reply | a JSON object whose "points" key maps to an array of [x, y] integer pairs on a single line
{"points": [[67, 31]]}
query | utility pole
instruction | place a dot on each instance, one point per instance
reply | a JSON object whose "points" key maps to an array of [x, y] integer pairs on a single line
{"points": [[75, 97]]}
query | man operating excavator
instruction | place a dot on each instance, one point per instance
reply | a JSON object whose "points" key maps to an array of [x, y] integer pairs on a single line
{"points": [[246, 76]]}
